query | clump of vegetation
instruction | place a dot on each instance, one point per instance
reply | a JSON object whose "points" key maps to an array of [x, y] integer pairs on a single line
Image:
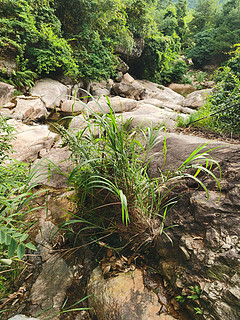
{"points": [[115, 191], [16, 192]]}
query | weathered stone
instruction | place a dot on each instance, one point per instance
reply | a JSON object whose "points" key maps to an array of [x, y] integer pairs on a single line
{"points": [[6, 93], [182, 89], [205, 249], [129, 88], [30, 109], [145, 115], [135, 52], [102, 88], [123, 297], [50, 91], [197, 99], [21, 317], [54, 168], [30, 140], [164, 94], [71, 106], [118, 104], [122, 66]]}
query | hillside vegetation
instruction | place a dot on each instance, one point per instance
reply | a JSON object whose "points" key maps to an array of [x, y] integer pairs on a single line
{"points": [[82, 38]]}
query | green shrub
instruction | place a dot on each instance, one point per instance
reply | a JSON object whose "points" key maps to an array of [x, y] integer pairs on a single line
{"points": [[110, 174]]}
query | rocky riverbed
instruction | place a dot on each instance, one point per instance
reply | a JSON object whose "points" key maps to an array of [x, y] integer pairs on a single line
{"points": [[199, 273]]}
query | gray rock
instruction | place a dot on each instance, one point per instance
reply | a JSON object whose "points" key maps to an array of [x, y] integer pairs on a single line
{"points": [[159, 92], [29, 109], [54, 167], [205, 243], [21, 317], [118, 104], [197, 99], [102, 88], [6, 93], [72, 106], [123, 297], [50, 91], [30, 140], [129, 88]]}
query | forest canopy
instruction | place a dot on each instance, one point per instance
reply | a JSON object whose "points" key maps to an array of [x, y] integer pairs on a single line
{"points": [[84, 38]]}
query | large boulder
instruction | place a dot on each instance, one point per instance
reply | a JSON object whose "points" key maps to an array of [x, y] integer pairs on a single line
{"points": [[159, 92], [205, 251], [6, 93], [197, 99], [72, 106], [50, 91], [146, 115], [29, 109], [102, 88], [30, 140], [54, 167], [182, 88], [118, 104], [129, 88], [123, 297]]}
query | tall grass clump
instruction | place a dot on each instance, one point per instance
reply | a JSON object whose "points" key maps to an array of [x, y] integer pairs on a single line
{"points": [[111, 175]]}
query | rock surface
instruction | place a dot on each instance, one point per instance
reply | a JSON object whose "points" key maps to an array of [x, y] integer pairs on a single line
{"points": [[182, 88], [129, 88], [6, 93], [159, 92], [197, 99], [50, 91], [21, 317], [30, 141], [123, 297], [118, 104], [206, 250], [29, 109]]}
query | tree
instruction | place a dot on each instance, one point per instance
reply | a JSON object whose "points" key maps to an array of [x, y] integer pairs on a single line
{"points": [[204, 15]]}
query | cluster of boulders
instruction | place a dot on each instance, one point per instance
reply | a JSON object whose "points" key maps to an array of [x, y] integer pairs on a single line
{"points": [[141, 97]]}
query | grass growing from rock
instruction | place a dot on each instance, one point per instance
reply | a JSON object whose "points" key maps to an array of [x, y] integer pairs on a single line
{"points": [[110, 174]]}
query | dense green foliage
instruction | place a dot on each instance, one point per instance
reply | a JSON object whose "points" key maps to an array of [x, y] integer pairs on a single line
{"points": [[16, 191], [221, 112], [82, 38], [215, 29]]}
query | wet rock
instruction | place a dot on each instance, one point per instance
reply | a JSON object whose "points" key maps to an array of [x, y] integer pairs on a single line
{"points": [[50, 91], [123, 297], [30, 140], [6, 93], [29, 109], [197, 99]]}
